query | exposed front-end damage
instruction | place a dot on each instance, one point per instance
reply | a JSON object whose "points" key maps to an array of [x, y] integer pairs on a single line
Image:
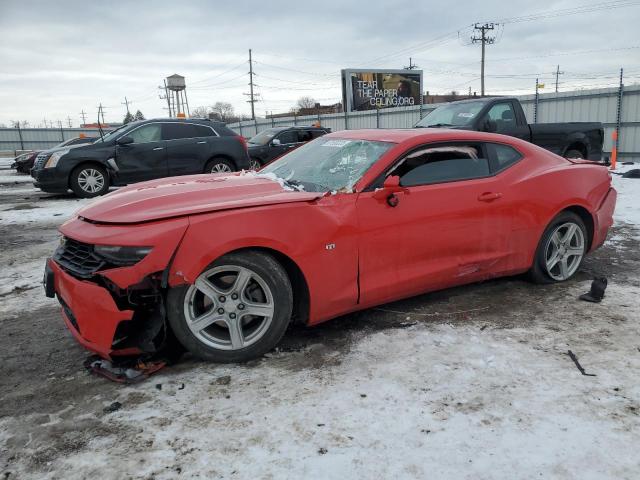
{"points": [[115, 306]]}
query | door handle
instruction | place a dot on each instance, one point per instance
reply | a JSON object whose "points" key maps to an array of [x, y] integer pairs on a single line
{"points": [[489, 196], [202, 142], [158, 148]]}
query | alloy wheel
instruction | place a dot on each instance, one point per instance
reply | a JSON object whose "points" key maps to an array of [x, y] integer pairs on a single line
{"points": [[254, 164], [564, 251], [91, 180], [229, 307], [220, 168]]}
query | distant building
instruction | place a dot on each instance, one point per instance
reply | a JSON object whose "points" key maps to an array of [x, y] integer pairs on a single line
{"points": [[104, 125], [315, 110]]}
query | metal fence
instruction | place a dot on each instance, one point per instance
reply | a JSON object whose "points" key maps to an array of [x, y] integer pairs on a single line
{"points": [[614, 107], [14, 141]]}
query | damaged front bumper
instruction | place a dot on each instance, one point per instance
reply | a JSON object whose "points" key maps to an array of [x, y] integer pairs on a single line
{"points": [[115, 310]]}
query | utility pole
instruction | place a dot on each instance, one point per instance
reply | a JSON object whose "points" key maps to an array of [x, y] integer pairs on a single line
{"points": [[69, 121], [412, 66], [84, 116], [252, 99], [166, 97], [101, 112], [126, 102], [558, 73], [485, 41]]}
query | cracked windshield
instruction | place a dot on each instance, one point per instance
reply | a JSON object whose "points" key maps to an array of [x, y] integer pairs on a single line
{"points": [[326, 165]]}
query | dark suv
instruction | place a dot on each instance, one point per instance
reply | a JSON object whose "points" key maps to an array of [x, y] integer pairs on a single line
{"points": [[140, 151], [270, 144]]}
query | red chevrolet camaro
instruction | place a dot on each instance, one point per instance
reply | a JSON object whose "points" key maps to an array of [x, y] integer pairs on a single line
{"points": [[223, 263]]}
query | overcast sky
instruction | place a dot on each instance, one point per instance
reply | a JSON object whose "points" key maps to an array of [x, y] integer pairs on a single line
{"points": [[58, 58]]}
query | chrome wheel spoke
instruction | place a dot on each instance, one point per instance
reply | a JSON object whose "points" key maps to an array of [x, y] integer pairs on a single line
{"points": [[564, 267], [571, 231], [235, 333], [241, 282], [209, 289], [206, 319], [258, 309], [573, 251]]}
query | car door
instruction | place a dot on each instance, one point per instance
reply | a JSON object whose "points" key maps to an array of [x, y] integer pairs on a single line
{"points": [[448, 226], [288, 141], [143, 159], [504, 114], [187, 147]]}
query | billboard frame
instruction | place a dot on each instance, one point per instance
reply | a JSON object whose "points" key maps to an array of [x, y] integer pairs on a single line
{"points": [[347, 91]]}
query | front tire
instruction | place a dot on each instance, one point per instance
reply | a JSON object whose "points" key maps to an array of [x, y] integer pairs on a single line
{"points": [[237, 309], [89, 181], [561, 250], [219, 165]]}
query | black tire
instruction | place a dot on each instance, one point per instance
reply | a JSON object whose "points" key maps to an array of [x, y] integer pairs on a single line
{"points": [[255, 164], [538, 272], [76, 184], [574, 154], [219, 165], [276, 279]]}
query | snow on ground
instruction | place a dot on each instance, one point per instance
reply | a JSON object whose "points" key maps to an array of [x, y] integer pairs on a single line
{"points": [[628, 206], [8, 177], [44, 211]]}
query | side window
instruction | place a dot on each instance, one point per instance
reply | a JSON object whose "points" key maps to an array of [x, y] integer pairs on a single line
{"points": [[304, 135], [503, 156], [202, 131], [317, 133], [289, 136], [146, 134], [442, 164], [503, 115], [178, 130]]}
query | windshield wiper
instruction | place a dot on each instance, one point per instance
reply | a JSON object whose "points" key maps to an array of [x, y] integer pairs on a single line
{"points": [[436, 125]]}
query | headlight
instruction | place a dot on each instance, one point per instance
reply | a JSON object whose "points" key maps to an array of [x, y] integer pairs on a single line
{"points": [[55, 156], [122, 255]]}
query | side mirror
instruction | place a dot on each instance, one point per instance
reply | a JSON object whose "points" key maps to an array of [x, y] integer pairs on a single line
{"points": [[390, 187], [125, 140], [490, 126], [275, 142]]}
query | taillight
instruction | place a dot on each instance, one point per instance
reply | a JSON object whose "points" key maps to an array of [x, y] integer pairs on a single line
{"points": [[243, 141]]}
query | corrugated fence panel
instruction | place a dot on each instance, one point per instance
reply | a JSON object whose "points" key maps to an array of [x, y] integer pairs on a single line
{"points": [[39, 138]]}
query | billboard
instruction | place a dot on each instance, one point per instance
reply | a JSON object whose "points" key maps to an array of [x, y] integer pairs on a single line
{"points": [[365, 89]]}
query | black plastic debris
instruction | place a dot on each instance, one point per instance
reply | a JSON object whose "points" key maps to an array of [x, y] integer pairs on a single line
{"points": [[577, 363], [596, 294], [114, 407]]}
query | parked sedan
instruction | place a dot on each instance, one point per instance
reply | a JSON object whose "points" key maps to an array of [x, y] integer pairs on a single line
{"points": [[348, 221], [141, 151], [274, 142], [24, 163]]}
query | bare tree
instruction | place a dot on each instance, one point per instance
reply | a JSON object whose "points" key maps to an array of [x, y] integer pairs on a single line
{"points": [[306, 103], [223, 111], [200, 112], [19, 123]]}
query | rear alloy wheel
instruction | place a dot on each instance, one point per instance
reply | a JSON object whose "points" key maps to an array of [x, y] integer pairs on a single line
{"points": [[236, 310], [89, 181], [561, 249], [219, 165], [254, 164]]}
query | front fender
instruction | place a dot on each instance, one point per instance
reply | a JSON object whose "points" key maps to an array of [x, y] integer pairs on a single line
{"points": [[319, 237]]}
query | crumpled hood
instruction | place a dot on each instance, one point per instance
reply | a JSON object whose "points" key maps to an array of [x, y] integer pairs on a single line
{"points": [[189, 195]]}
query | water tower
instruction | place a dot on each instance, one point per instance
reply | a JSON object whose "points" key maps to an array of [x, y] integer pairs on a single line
{"points": [[176, 95]]}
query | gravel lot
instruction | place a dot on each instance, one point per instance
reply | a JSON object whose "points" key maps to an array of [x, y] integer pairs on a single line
{"points": [[472, 382]]}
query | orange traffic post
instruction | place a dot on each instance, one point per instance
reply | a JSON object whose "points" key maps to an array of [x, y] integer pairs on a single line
{"points": [[614, 149]]}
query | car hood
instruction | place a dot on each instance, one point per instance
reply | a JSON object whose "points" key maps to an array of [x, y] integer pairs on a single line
{"points": [[190, 195]]}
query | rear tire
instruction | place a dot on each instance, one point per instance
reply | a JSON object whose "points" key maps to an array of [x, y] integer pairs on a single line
{"points": [[212, 318], [577, 154], [219, 165], [254, 164], [89, 180], [561, 250]]}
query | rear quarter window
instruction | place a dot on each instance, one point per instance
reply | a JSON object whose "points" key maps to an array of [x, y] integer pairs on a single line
{"points": [[502, 156]]}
